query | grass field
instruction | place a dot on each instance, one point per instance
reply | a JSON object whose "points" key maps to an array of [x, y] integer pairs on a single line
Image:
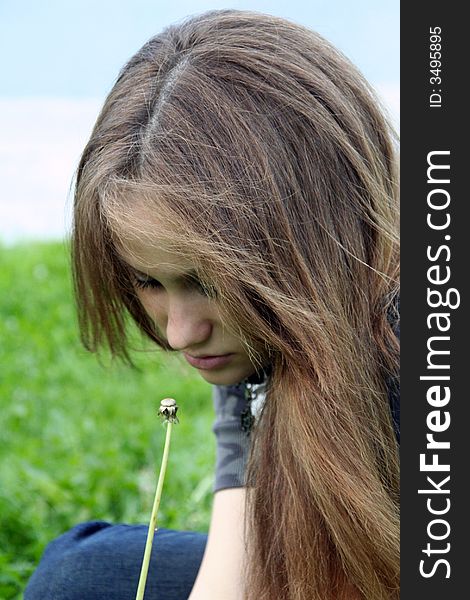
{"points": [[80, 441]]}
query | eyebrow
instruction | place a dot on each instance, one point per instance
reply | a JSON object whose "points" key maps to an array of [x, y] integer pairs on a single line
{"points": [[180, 275]]}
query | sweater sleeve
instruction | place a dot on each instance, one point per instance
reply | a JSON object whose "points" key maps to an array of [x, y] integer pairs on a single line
{"points": [[233, 444]]}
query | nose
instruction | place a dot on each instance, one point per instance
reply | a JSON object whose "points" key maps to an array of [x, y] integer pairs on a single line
{"points": [[186, 325]]}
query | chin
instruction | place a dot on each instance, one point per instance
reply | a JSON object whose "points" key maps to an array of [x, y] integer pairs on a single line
{"points": [[226, 377]]}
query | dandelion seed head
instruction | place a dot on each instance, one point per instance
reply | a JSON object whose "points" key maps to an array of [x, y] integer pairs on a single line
{"points": [[167, 410]]}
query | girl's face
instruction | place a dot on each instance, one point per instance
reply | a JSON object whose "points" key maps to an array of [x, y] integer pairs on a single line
{"points": [[184, 314]]}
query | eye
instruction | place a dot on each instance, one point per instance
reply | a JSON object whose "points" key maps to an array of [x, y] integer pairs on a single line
{"points": [[201, 287], [144, 281]]}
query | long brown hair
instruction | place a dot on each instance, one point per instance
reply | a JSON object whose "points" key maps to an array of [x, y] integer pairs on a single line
{"points": [[254, 147]]}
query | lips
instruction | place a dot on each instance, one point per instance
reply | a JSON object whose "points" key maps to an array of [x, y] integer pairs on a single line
{"points": [[208, 362]]}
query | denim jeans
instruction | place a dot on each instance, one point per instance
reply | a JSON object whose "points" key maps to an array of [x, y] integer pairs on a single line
{"points": [[100, 561]]}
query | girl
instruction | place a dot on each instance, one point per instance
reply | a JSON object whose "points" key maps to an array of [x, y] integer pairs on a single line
{"points": [[238, 198]]}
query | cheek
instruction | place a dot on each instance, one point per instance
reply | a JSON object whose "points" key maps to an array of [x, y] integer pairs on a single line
{"points": [[154, 308]]}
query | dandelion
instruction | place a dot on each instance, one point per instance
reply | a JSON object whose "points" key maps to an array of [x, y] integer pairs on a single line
{"points": [[167, 412]]}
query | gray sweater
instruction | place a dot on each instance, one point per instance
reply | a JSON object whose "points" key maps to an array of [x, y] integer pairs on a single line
{"points": [[236, 407]]}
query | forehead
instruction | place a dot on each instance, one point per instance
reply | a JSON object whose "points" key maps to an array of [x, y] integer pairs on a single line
{"points": [[146, 256], [144, 242]]}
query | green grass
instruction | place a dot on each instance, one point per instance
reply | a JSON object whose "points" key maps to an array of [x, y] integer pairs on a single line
{"points": [[80, 441]]}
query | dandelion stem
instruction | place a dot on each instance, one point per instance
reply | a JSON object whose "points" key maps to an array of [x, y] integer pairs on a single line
{"points": [[153, 517]]}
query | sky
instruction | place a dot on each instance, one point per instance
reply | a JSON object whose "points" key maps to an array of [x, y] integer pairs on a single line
{"points": [[59, 60]]}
